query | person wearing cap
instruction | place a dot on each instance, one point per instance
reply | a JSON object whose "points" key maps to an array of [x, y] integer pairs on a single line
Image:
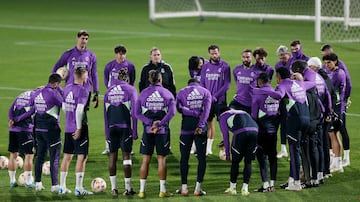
{"points": [[327, 96], [111, 73], [297, 52], [284, 57], [81, 56], [327, 49], [338, 79]]}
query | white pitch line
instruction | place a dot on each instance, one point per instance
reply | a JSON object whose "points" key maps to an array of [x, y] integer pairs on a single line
{"points": [[148, 34], [353, 115]]}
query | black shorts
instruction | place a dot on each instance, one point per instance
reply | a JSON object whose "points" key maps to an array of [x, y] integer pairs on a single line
{"points": [[236, 105], [79, 146], [244, 145], [149, 141], [216, 108], [120, 138], [22, 142]]}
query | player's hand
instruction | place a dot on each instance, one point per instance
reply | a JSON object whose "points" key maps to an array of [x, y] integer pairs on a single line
{"points": [[228, 158], [11, 123], [348, 103], [154, 128], [198, 131], [95, 100], [76, 134], [134, 135], [297, 76]]}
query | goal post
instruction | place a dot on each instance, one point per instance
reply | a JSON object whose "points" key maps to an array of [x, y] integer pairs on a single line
{"points": [[326, 14]]}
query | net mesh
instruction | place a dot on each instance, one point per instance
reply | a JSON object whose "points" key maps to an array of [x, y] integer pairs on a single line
{"points": [[331, 31]]}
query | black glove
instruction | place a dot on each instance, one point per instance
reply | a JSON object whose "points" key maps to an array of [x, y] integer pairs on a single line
{"points": [[95, 100]]}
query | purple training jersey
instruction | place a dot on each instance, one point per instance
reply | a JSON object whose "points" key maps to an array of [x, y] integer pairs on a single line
{"points": [[265, 108], [111, 72], [245, 79], [74, 58], [338, 79], [294, 90], [74, 95], [155, 103], [195, 101], [298, 55], [20, 112], [47, 102], [237, 121], [348, 86], [287, 65], [119, 106], [196, 74], [216, 78]]}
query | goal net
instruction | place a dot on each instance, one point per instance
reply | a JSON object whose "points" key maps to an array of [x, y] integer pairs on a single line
{"points": [[334, 20]]}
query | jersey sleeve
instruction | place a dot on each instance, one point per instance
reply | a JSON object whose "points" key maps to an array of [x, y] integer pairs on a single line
{"points": [[94, 75]]}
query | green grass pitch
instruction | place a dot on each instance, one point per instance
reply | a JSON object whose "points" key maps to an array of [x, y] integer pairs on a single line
{"points": [[35, 33]]}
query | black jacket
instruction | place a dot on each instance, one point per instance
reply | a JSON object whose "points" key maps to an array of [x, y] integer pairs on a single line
{"points": [[168, 80]]}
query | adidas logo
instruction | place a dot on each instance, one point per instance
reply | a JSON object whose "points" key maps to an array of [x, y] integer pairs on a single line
{"points": [[70, 98], [194, 95], [155, 96], [40, 99], [117, 90]]}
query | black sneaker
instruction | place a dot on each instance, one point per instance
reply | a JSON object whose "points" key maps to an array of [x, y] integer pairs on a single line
{"points": [[129, 193], [261, 189], [283, 186], [321, 181], [271, 189], [305, 186]]}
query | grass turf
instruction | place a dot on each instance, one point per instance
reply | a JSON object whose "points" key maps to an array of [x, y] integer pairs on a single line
{"points": [[35, 33]]}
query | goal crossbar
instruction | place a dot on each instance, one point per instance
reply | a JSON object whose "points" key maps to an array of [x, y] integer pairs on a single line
{"points": [[352, 22]]}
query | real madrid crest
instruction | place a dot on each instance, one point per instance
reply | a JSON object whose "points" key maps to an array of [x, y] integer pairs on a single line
{"points": [[162, 70]]}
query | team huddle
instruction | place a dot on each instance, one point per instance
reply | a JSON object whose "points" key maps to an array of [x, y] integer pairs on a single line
{"points": [[307, 107]]}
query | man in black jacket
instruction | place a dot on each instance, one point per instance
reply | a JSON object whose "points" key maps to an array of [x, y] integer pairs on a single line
{"points": [[156, 63]]}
